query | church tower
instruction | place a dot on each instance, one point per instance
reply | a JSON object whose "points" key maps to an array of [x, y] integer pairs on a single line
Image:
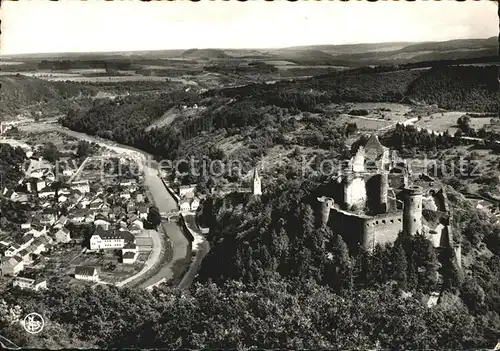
{"points": [[256, 186]]}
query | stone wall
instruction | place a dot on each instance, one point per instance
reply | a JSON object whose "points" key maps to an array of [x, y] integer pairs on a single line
{"points": [[366, 231]]}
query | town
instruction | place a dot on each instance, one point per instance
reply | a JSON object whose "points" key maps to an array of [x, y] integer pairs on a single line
{"points": [[90, 222]]}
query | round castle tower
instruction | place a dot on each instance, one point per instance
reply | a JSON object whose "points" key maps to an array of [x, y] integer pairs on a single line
{"points": [[412, 210], [383, 192], [326, 204]]}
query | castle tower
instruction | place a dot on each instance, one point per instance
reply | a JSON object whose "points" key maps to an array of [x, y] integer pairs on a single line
{"points": [[412, 210], [326, 204], [384, 189], [256, 186]]}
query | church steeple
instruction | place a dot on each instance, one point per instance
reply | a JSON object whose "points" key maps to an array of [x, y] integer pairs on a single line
{"points": [[256, 186]]}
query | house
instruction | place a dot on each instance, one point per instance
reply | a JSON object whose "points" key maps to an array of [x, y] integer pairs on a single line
{"points": [[128, 182], [12, 250], [76, 195], [102, 224], [68, 172], [81, 185], [85, 201], [186, 189], [62, 198], [12, 265], [136, 226], [195, 203], [26, 225], [61, 222], [110, 239], [139, 198], [48, 219], [46, 193], [48, 175], [130, 207], [101, 216], [99, 190], [28, 283], [86, 273], [89, 218], [125, 195], [129, 253], [184, 205], [39, 184], [39, 245], [27, 240], [63, 235], [78, 216], [10, 194], [142, 211], [36, 230], [25, 255]]}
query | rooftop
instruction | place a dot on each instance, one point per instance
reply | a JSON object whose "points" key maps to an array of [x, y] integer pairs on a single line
{"points": [[85, 270]]}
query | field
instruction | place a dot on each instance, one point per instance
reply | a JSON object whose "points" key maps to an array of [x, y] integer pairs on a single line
{"points": [[447, 121]]}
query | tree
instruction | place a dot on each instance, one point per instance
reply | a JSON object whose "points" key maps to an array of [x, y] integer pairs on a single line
{"points": [[452, 275], [154, 216], [84, 149], [426, 262], [50, 152], [399, 264], [472, 294], [339, 272]]}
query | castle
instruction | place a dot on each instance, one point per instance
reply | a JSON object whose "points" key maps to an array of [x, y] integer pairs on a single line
{"points": [[371, 201]]}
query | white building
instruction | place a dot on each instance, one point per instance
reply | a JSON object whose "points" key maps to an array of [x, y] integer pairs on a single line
{"points": [[81, 185], [102, 224], [63, 236], [28, 283], [110, 239], [185, 205], [86, 273], [129, 253], [195, 203], [186, 189], [67, 172], [12, 265]]}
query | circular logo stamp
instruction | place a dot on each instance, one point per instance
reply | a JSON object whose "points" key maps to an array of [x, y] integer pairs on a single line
{"points": [[33, 323]]}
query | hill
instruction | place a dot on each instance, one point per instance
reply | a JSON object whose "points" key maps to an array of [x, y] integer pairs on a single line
{"points": [[352, 55], [19, 92], [205, 54]]}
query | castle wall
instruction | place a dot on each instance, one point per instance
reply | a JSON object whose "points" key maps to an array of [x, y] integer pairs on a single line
{"points": [[352, 227], [367, 231], [387, 227]]}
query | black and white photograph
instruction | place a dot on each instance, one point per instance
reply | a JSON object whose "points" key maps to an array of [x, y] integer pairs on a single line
{"points": [[250, 175]]}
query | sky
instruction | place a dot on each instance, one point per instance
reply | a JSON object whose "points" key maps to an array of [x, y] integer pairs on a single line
{"points": [[41, 26]]}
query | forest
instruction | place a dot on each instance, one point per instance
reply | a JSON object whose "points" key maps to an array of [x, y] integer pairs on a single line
{"points": [[258, 106], [11, 162]]}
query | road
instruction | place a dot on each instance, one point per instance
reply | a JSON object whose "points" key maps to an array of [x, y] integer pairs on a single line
{"points": [[7, 344], [161, 197], [201, 248]]}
